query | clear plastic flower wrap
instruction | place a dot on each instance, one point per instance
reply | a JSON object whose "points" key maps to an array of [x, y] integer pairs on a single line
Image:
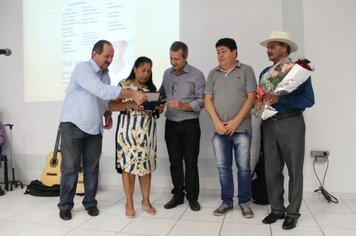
{"points": [[282, 78]]}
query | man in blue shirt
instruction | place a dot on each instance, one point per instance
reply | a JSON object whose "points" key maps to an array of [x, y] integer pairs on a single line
{"points": [[283, 137], [86, 103]]}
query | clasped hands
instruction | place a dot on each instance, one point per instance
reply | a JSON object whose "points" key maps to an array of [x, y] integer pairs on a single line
{"points": [[226, 128]]}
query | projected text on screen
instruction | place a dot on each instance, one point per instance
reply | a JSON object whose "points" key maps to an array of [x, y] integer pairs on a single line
{"points": [[58, 34]]}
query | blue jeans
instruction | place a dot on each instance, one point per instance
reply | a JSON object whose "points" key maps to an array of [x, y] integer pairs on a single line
{"points": [[225, 147], [76, 147]]}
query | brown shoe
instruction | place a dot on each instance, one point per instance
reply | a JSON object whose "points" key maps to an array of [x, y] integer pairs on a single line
{"points": [[222, 209]]}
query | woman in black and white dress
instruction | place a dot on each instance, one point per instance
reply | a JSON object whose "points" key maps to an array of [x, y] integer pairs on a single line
{"points": [[136, 141]]}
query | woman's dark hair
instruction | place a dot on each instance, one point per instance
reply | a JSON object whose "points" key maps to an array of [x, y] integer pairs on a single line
{"points": [[139, 62]]}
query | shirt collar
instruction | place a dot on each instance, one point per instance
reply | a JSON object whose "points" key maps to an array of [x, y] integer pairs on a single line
{"points": [[186, 70], [238, 64], [96, 67]]}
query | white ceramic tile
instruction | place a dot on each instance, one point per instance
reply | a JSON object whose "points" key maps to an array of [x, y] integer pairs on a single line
{"points": [[350, 203], [106, 222], [51, 203], [197, 228], [110, 195], [127, 234], [44, 230], [149, 226], [297, 231], [117, 208], [19, 199], [11, 227], [163, 213], [322, 206], [28, 215], [339, 232], [90, 232], [205, 214], [103, 205], [209, 201], [307, 219], [233, 229], [163, 198], [304, 208], [32, 215], [6, 211], [337, 220], [78, 218]]}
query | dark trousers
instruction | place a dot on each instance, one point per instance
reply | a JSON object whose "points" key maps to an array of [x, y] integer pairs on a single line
{"points": [[76, 147], [284, 143], [183, 141]]}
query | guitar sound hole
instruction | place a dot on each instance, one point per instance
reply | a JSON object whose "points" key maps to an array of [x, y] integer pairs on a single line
{"points": [[54, 162]]}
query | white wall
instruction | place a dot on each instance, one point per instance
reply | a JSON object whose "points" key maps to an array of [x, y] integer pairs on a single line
{"points": [[323, 28]]}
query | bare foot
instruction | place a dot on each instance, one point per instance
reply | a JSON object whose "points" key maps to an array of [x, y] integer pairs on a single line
{"points": [[129, 211], [147, 207]]}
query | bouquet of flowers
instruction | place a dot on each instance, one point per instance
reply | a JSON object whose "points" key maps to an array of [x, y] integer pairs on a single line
{"points": [[284, 77]]}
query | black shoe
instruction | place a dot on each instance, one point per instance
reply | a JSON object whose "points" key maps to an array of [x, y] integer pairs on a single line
{"points": [[272, 217], [194, 205], [289, 223], [93, 211], [173, 203], [65, 214]]}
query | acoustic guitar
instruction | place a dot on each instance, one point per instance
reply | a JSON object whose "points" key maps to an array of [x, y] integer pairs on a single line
{"points": [[80, 183], [51, 175]]}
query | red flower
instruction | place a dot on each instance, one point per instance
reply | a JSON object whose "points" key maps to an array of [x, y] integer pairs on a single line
{"points": [[260, 92], [304, 63]]}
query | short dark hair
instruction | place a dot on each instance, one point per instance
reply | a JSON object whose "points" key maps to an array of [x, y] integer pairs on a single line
{"points": [[139, 62], [99, 46], [180, 45], [226, 42]]}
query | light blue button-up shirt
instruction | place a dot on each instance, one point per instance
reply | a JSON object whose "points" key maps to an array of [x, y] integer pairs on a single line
{"points": [[87, 97]]}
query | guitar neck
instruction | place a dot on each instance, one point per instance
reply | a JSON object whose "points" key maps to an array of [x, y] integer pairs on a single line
{"points": [[57, 144]]}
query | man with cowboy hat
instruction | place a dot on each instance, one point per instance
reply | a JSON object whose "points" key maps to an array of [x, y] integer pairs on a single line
{"points": [[283, 137]]}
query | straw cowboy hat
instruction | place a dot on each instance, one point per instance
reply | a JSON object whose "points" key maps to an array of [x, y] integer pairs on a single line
{"points": [[281, 36]]}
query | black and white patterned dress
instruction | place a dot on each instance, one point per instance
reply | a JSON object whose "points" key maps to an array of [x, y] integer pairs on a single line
{"points": [[136, 140]]}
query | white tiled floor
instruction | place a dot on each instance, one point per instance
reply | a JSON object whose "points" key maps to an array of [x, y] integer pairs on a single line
{"points": [[27, 215]]}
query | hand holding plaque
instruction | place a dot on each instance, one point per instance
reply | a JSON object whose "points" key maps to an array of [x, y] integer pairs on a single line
{"points": [[152, 101]]}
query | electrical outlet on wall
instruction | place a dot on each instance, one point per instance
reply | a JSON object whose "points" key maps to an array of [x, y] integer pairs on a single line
{"points": [[320, 156]]}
